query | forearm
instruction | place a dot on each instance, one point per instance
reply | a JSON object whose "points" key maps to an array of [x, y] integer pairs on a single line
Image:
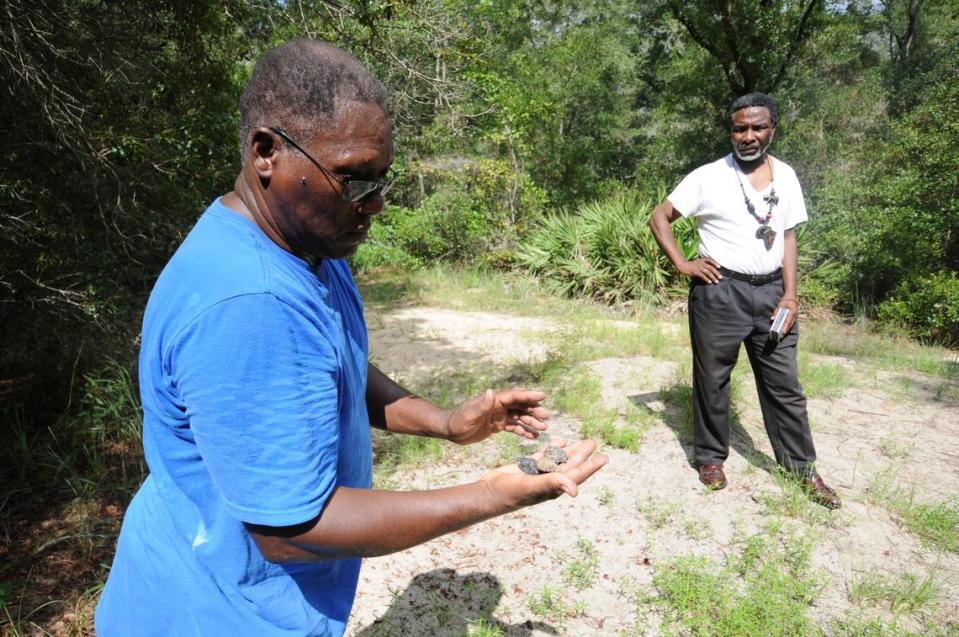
{"points": [[363, 523], [790, 267], [660, 223], [395, 409]]}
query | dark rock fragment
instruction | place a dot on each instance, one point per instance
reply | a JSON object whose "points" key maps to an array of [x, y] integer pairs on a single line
{"points": [[527, 465]]}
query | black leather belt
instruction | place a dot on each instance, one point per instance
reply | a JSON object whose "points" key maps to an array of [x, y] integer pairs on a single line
{"points": [[753, 279]]}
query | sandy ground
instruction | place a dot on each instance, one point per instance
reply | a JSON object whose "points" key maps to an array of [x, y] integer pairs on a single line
{"points": [[492, 569]]}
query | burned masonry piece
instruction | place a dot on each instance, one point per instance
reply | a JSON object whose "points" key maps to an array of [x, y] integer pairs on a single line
{"points": [[527, 465], [552, 458]]}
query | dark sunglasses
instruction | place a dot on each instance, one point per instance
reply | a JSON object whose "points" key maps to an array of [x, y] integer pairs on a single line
{"points": [[354, 190]]}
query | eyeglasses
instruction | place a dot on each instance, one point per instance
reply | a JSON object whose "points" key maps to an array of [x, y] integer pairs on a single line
{"points": [[354, 190]]}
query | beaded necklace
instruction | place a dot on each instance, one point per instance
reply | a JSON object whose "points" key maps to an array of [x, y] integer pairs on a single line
{"points": [[764, 232]]}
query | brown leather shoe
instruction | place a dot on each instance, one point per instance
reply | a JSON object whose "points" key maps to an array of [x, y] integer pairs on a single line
{"points": [[820, 493], [712, 476]]}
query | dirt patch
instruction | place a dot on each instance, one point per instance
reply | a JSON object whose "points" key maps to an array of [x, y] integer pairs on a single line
{"points": [[648, 507], [415, 342]]}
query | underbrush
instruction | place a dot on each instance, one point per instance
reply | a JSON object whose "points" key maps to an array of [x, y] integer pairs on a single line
{"points": [[62, 494]]}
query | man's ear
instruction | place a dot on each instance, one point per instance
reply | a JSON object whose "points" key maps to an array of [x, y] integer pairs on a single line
{"points": [[263, 148]]}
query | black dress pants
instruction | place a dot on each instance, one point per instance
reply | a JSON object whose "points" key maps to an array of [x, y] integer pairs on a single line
{"points": [[721, 317]]}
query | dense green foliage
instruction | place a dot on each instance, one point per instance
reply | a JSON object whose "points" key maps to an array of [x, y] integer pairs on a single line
{"points": [[605, 249], [522, 129]]}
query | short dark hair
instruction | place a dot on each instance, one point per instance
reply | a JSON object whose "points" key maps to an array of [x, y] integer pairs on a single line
{"points": [[755, 99], [296, 86]]}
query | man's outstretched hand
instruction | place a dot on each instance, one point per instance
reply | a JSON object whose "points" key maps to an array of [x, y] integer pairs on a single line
{"points": [[517, 489], [514, 410]]}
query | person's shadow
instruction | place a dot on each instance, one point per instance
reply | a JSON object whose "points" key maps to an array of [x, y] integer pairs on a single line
{"points": [[443, 603], [677, 414]]}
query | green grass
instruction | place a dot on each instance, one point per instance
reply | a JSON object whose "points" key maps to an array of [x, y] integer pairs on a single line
{"points": [[605, 496], [391, 451], [483, 627], [893, 449], [59, 486], [581, 572], [764, 590], [696, 528], [822, 380], [833, 337], [658, 513], [508, 449], [899, 593], [608, 428], [936, 524], [548, 604], [792, 501], [858, 625]]}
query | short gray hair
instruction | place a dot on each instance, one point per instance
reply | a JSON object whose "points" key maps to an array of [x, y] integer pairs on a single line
{"points": [[297, 86]]}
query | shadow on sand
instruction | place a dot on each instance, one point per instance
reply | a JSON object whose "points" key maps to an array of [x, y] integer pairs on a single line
{"points": [[677, 414], [444, 603]]}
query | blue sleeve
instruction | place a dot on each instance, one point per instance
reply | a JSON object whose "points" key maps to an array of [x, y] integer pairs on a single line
{"points": [[259, 382]]}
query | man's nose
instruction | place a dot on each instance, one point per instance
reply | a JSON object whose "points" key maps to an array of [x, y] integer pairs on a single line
{"points": [[372, 205]]}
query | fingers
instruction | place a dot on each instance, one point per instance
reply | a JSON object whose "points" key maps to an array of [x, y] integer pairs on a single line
{"points": [[790, 318], [561, 482], [555, 442], [520, 398], [580, 473], [708, 271], [525, 431], [578, 468], [536, 412], [525, 426], [525, 416], [580, 462], [519, 489], [789, 324], [580, 451]]}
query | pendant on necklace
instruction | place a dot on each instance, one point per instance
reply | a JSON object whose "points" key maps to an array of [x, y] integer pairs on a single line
{"points": [[767, 234]]}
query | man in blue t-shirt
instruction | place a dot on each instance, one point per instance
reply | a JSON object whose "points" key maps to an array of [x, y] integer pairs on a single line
{"points": [[258, 395]]}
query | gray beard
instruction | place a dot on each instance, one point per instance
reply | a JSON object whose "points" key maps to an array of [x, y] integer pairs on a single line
{"points": [[750, 158]]}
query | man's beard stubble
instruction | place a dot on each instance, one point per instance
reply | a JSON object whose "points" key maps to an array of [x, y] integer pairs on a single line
{"points": [[752, 157]]}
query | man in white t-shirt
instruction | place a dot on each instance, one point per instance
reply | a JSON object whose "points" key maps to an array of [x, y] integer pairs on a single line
{"points": [[746, 205]]}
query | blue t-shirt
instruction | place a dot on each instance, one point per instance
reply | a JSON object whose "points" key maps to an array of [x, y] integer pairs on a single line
{"points": [[253, 380]]}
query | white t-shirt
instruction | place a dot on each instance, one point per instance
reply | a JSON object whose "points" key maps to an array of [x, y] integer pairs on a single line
{"points": [[727, 232]]}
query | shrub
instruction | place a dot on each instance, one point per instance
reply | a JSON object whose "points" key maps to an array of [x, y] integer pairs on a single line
{"points": [[471, 211], [927, 306], [382, 248], [605, 250]]}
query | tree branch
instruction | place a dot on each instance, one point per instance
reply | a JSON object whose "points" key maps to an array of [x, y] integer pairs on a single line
{"points": [[794, 43], [704, 42]]}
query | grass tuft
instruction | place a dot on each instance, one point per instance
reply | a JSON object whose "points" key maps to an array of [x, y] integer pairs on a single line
{"points": [[765, 590], [908, 593], [822, 380], [936, 524], [793, 500], [581, 573], [484, 627]]}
